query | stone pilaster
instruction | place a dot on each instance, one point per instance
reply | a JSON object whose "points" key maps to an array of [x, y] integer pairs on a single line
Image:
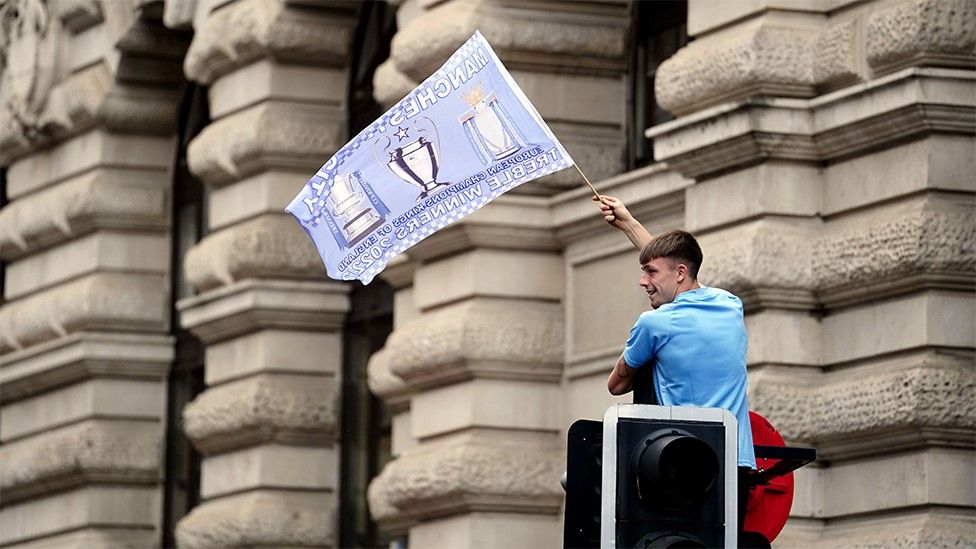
{"points": [[270, 321], [90, 98], [843, 216]]}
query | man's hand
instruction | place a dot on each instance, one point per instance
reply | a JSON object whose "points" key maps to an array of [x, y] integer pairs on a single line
{"points": [[617, 215], [621, 378]]}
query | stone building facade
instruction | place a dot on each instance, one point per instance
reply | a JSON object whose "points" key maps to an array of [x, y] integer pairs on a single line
{"points": [[176, 370]]}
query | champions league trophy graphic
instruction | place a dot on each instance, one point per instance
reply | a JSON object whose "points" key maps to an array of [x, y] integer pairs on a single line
{"points": [[352, 209], [416, 162], [488, 126]]}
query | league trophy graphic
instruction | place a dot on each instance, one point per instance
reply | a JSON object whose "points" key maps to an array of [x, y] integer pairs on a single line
{"points": [[356, 210], [417, 162], [488, 127]]}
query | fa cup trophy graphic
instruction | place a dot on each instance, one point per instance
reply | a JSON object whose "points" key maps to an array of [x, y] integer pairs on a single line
{"points": [[352, 208], [488, 127], [417, 161]]}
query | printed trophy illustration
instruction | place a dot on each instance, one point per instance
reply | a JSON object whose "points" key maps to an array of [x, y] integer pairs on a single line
{"points": [[417, 162], [488, 126], [351, 208]]}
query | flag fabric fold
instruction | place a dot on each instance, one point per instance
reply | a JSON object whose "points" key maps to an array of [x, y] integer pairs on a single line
{"points": [[463, 137]]}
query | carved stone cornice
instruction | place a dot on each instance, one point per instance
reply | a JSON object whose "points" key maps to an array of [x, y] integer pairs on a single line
{"points": [[264, 518], [100, 301], [288, 136], [101, 199], [270, 246], [847, 123], [922, 32], [525, 37], [250, 305], [80, 356], [261, 409], [764, 59], [925, 402], [479, 338], [91, 451], [245, 31], [470, 472]]}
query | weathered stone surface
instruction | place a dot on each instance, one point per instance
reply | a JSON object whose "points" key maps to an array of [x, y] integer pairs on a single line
{"points": [[479, 338], [242, 32], [764, 59], [940, 528], [270, 466], [78, 15], [267, 247], [468, 472], [271, 135], [390, 85], [260, 519], [100, 301], [922, 32], [845, 415], [263, 408], [100, 199], [528, 36], [87, 538], [836, 62], [95, 450], [291, 351], [383, 382]]}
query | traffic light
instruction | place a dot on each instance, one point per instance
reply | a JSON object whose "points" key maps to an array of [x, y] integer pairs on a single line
{"points": [[667, 479]]}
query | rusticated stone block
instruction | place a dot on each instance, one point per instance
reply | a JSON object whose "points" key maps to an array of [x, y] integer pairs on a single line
{"points": [[271, 135], [260, 519], [836, 60], [860, 414], [762, 254], [268, 247], [100, 199], [476, 470], [78, 15], [242, 32], [95, 450], [390, 85], [264, 408], [925, 528], [922, 32], [101, 301], [479, 338], [578, 41], [383, 382], [759, 60]]}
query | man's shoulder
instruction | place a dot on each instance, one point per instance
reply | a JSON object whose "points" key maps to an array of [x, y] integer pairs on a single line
{"points": [[720, 294], [655, 318]]}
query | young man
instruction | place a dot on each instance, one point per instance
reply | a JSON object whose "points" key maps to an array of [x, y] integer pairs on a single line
{"points": [[694, 338]]}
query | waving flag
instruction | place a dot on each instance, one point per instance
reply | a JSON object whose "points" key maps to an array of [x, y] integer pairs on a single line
{"points": [[464, 136]]}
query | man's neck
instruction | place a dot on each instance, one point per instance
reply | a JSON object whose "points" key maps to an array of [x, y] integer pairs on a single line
{"points": [[687, 287]]}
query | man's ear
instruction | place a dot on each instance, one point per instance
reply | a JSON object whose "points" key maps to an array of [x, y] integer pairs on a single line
{"points": [[682, 270]]}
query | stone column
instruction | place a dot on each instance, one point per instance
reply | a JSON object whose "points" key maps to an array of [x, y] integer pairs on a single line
{"points": [[90, 96], [482, 358], [270, 320], [831, 146]]}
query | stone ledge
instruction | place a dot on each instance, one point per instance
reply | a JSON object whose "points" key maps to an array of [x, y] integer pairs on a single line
{"points": [[94, 451], [933, 527], [922, 32], [470, 472], [242, 32], [97, 536], [250, 305], [915, 402], [270, 246], [479, 338], [289, 409], [100, 301], [273, 135], [100, 199], [81, 356], [260, 519], [853, 121]]}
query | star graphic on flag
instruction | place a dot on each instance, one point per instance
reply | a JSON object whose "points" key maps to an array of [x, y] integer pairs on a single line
{"points": [[401, 133]]}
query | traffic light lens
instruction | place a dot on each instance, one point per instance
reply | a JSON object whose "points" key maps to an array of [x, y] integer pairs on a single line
{"points": [[675, 470]]}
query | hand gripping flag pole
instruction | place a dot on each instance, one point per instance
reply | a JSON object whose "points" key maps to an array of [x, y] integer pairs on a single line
{"points": [[464, 136]]}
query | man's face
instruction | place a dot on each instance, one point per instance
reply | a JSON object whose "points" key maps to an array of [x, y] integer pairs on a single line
{"points": [[660, 279]]}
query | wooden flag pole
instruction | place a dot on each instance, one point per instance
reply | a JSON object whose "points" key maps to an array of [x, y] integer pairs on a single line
{"points": [[592, 188]]}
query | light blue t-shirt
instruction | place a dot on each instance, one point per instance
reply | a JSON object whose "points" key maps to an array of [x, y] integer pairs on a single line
{"points": [[698, 347]]}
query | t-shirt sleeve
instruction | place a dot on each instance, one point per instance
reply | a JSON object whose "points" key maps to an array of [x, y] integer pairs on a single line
{"points": [[646, 337]]}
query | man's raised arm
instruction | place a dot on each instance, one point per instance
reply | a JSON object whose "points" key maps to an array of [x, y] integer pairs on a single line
{"points": [[617, 215], [621, 378]]}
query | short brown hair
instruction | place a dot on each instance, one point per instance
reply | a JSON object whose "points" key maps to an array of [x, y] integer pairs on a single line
{"points": [[675, 246]]}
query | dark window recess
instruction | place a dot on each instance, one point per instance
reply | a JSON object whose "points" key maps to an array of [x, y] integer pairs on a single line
{"points": [[365, 432], [181, 491], [658, 30]]}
